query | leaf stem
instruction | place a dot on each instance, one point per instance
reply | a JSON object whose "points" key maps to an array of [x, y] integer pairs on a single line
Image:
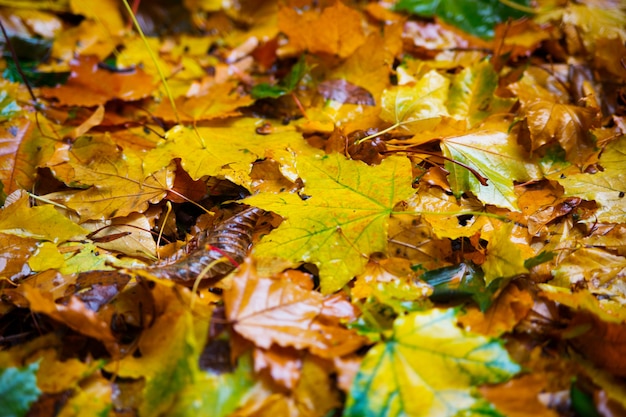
{"points": [[519, 7], [382, 132], [154, 60], [45, 200], [479, 177]]}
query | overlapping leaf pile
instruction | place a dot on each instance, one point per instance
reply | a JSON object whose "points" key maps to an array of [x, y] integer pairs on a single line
{"points": [[444, 211]]}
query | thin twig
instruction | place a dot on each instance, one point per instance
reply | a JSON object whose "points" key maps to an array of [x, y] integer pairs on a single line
{"points": [[17, 62]]}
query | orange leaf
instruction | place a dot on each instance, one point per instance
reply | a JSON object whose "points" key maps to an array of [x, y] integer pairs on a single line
{"points": [[337, 30], [508, 309], [269, 311], [89, 85], [75, 314], [520, 396]]}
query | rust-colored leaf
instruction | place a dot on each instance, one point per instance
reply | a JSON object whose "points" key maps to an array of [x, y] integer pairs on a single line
{"points": [[268, 311], [90, 85]]}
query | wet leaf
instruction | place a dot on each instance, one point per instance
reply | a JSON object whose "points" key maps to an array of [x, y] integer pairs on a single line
{"points": [[340, 218], [344, 92], [426, 369]]}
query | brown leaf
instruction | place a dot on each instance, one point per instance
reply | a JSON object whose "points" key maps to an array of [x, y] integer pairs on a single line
{"points": [[520, 396], [567, 124], [343, 91], [90, 85], [75, 314], [268, 311]]}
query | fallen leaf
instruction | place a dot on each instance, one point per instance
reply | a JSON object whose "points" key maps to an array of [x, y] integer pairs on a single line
{"points": [[511, 306], [496, 156], [267, 311], [505, 258], [472, 94], [340, 218], [39, 222], [75, 315], [427, 368], [338, 28], [90, 85], [18, 389], [606, 187], [416, 107], [114, 184], [567, 124], [342, 92]]}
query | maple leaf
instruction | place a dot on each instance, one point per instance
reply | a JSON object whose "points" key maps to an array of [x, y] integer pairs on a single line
{"points": [[340, 218], [226, 149], [269, 311], [115, 183], [416, 107], [606, 187], [221, 101], [496, 155], [426, 368]]}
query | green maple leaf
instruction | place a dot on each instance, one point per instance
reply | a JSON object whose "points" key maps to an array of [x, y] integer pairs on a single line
{"points": [[340, 219], [497, 157], [427, 368], [607, 187]]}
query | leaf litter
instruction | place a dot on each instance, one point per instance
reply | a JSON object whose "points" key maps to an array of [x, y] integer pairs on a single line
{"points": [[439, 202]]}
